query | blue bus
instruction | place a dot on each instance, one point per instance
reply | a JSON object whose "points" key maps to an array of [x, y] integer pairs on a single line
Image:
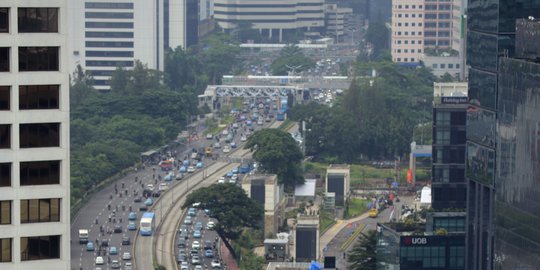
{"points": [[147, 224]]}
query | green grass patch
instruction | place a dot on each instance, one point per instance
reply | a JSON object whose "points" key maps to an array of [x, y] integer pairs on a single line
{"points": [[356, 207], [360, 174], [326, 220], [214, 126]]}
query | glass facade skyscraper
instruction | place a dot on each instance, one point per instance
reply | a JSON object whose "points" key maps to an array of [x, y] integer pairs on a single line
{"points": [[493, 232]]}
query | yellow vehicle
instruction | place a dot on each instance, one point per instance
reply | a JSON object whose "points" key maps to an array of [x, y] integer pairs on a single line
{"points": [[208, 151], [373, 213]]}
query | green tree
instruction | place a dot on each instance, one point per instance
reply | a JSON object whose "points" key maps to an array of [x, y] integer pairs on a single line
{"points": [[119, 80], [230, 206], [446, 77], [377, 34], [291, 56], [81, 87], [277, 152], [183, 69], [219, 56], [251, 261], [245, 32], [362, 256]]}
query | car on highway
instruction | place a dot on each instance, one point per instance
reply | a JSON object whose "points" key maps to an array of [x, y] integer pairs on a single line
{"points": [[209, 253], [99, 260], [137, 199], [233, 145], [128, 266], [183, 228], [215, 264], [217, 145], [225, 132], [229, 174], [181, 243], [243, 138], [199, 165], [198, 267], [132, 216], [191, 169], [179, 176], [115, 264], [149, 202], [235, 170], [209, 136], [126, 241], [184, 266], [197, 234], [132, 226], [117, 228], [150, 187], [226, 149], [196, 245], [163, 186], [198, 226], [195, 259], [182, 169], [234, 177], [222, 180], [181, 258], [126, 256], [188, 220], [192, 211], [113, 251], [90, 246], [210, 225], [208, 245], [104, 242]]}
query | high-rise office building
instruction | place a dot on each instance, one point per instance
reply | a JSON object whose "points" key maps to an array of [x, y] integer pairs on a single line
{"points": [[517, 180], [449, 187], [438, 23], [34, 135], [491, 165], [108, 34], [407, 38], [273, 18]]}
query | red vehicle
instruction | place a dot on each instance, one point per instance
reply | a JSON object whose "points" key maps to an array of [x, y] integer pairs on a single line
{"points": [[166, 165]]}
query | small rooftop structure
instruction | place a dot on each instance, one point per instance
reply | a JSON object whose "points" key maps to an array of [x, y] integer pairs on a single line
{"points": [[425, 195]]}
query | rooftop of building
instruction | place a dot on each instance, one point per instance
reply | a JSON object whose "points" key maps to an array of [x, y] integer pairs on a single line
{"points": [[339, 166], [269, 179]]}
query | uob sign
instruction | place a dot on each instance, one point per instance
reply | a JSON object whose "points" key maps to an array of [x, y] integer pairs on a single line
{"points": [[415, 241]]}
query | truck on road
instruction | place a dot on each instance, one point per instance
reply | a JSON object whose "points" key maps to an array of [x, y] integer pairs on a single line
{"points": [[83, 236]]}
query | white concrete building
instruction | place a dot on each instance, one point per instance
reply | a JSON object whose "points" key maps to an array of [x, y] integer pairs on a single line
{"points": [[336, 19], [34, 135], [407, 37], [271, 17], [445, 64], [105, 34]]}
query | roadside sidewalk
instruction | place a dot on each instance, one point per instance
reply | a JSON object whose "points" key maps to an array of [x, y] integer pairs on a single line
{"points": [[227, 258]]}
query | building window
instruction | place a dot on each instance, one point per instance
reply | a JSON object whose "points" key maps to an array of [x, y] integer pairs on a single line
{"points": [[442, 136], [434, 66], [40, 173], [91, 34], [406, 51], [412, 59], [5, 174], [39, 97], [5, 212], [399, 59], [40, 247], [450, 65], [399, 50], [407, 15], [39, 135], [38, 20], [413, 15], [40, 210], [399, 24], [443, 65], [406, 24], [5, 98], [399, 42], [5, 249], [4, 20], [38, 58], [457, 65], [4, 59], [5, 136], [406, 60], [413, 24], [406, 42], [399, 15], [420, 24]]}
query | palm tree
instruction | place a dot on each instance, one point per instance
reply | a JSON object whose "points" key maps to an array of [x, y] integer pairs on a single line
{"points": [[362, 255]]}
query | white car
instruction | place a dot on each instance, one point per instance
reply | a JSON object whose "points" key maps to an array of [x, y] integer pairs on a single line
{"points": [[243, 138], [221, 180], [234, 177], [226, 149], [210, 225], [150, 187], [209, 136], [99, 260], [225, 132], [215, 263], [196, 245], [126, 256], [191, 169], [163, 186], [184, 266]]}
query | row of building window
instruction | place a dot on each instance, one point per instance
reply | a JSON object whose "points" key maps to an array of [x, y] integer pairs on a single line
{"points": [[31, 20], [443, 66], [31, 97], [406, 59], [32, 173], [437, 33], [406, 15], [407, 50], [406, 33], [32, 248], [407, 6], [407, 24], [440, 25], [32, 135], [437, 42], [31, 59], [441, 7], [32, 211], [442, 16], [407, 41]]}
